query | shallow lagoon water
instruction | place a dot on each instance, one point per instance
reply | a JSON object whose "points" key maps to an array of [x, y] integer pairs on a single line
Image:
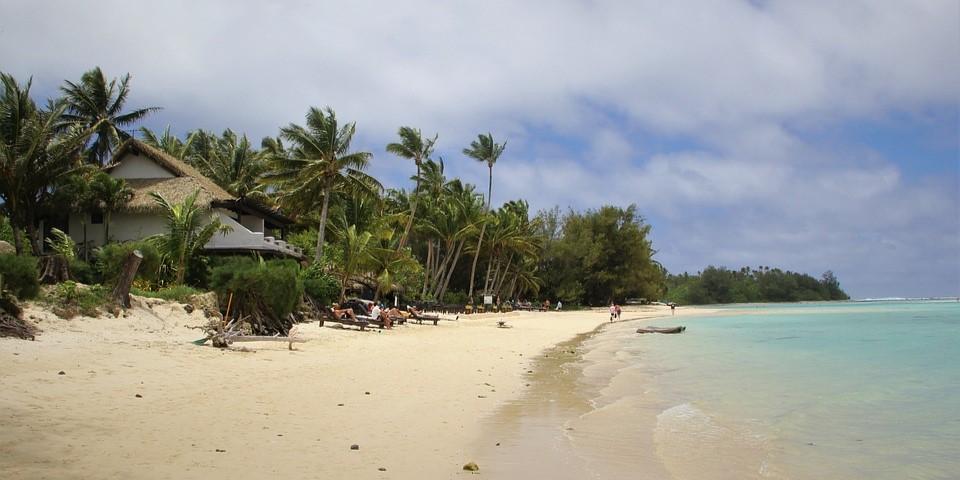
{"points": [[829, 390]]}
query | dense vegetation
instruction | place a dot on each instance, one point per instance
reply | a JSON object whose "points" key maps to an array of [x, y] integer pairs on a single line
{"points": [[720, 285], [445, 240]]}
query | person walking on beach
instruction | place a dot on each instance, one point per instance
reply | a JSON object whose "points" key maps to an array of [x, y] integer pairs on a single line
{"points": [[559, 305], [673, 308], [618, 312], [613, 311]]}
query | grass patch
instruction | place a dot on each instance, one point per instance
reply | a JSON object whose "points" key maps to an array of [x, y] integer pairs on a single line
{"points": [[69, 299], [176, 293]]}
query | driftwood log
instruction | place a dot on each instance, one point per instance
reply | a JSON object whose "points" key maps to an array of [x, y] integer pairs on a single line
{"points": [[12, 323], [679, 329], [121, 293]]}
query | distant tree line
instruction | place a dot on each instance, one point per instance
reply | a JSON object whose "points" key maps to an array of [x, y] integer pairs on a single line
{"points": [[747, 285]]}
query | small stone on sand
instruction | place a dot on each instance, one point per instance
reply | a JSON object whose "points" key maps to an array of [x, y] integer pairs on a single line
{"points": [[61, 372], [471, 467], [138, 396], [354, 447]]}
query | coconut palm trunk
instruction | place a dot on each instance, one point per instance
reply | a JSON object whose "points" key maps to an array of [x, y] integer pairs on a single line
{"points": [[483, 229], [483, 149], [413, 212], [322, 228]]}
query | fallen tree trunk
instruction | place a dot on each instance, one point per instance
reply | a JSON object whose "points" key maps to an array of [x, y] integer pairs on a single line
{"points": [[661, 329]]}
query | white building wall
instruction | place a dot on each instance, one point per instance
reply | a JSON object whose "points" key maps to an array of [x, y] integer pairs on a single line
{"points": [[253, 223], [124, 227], [238, 238], [138, 166]]}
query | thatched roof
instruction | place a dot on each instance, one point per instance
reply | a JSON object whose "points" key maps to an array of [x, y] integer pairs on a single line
{"points": [[186, 181]]}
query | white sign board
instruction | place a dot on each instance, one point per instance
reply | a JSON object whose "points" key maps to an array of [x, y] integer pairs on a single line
{"points": [[488, 299]]}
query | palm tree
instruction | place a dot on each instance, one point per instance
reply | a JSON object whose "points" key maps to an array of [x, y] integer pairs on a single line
{"points": [[414, 147], [167, 142], [186, 231], [74, 193], [36, 153], [97, 105], [483, 149], [452, 218], [230, 161], [356, 255], [109, 194], [317, 164]]}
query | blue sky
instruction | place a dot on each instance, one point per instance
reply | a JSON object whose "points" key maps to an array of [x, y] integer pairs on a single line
{"points": [[806, 135]]}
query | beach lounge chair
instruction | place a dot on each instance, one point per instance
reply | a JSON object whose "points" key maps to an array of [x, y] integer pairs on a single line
{"points": [[344, 319]]}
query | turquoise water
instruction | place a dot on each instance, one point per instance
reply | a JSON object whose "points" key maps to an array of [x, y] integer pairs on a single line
{"points": [[789, 391], [849, 390]]}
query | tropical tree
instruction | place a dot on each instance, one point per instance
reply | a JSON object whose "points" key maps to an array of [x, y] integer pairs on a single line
{"points": [[412, 146], [451, 220], [36, 153], [356, 255], [187, 232], [75, 194], [230, 161], [513, 240], [167, 142], [317, 164], [94, 104], [109, 195], [483, 149]]}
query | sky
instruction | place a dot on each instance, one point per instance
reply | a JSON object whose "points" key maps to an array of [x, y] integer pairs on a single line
{"points": [[810, 136]]}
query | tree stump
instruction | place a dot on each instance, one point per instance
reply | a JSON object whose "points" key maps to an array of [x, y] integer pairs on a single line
{"points": [[54, 269], [121, 294]]}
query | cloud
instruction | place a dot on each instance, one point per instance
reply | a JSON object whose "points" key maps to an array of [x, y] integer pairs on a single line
{"points": [[703, 113]]}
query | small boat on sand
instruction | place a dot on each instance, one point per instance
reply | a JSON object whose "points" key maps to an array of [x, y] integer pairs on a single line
{"points": [[679, 329]]}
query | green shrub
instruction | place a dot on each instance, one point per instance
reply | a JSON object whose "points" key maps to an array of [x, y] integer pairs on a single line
{"points": [[62, 244], [68, 299], [274, 284], [459, 298], [320, 285], [177, 293], [20, 275], [83, 272], [110, 260]]}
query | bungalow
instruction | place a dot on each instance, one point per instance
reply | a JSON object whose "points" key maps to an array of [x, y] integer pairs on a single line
{"points": [[254, 227]]}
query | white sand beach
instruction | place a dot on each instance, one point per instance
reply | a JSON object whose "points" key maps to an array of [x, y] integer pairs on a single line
{"points": [[137, 400]]}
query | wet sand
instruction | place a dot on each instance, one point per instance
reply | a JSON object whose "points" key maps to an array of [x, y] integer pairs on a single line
{"points": [[590, 413]]}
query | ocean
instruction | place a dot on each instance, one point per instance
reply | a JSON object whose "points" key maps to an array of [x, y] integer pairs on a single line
{"points": [[845, 390]]}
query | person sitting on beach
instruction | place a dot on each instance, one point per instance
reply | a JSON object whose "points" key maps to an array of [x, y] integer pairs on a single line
{"points": [[378, 313]]}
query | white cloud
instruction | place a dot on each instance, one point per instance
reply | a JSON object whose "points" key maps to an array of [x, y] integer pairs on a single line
{"points": [[726, 82]]}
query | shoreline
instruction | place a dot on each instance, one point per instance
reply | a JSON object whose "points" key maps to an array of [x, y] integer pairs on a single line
{"points": [[137, 400], [568, 417]]}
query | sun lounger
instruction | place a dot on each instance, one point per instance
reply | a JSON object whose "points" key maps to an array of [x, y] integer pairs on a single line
{"points": [[420, 318], [374, 322], [346, 320]]}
